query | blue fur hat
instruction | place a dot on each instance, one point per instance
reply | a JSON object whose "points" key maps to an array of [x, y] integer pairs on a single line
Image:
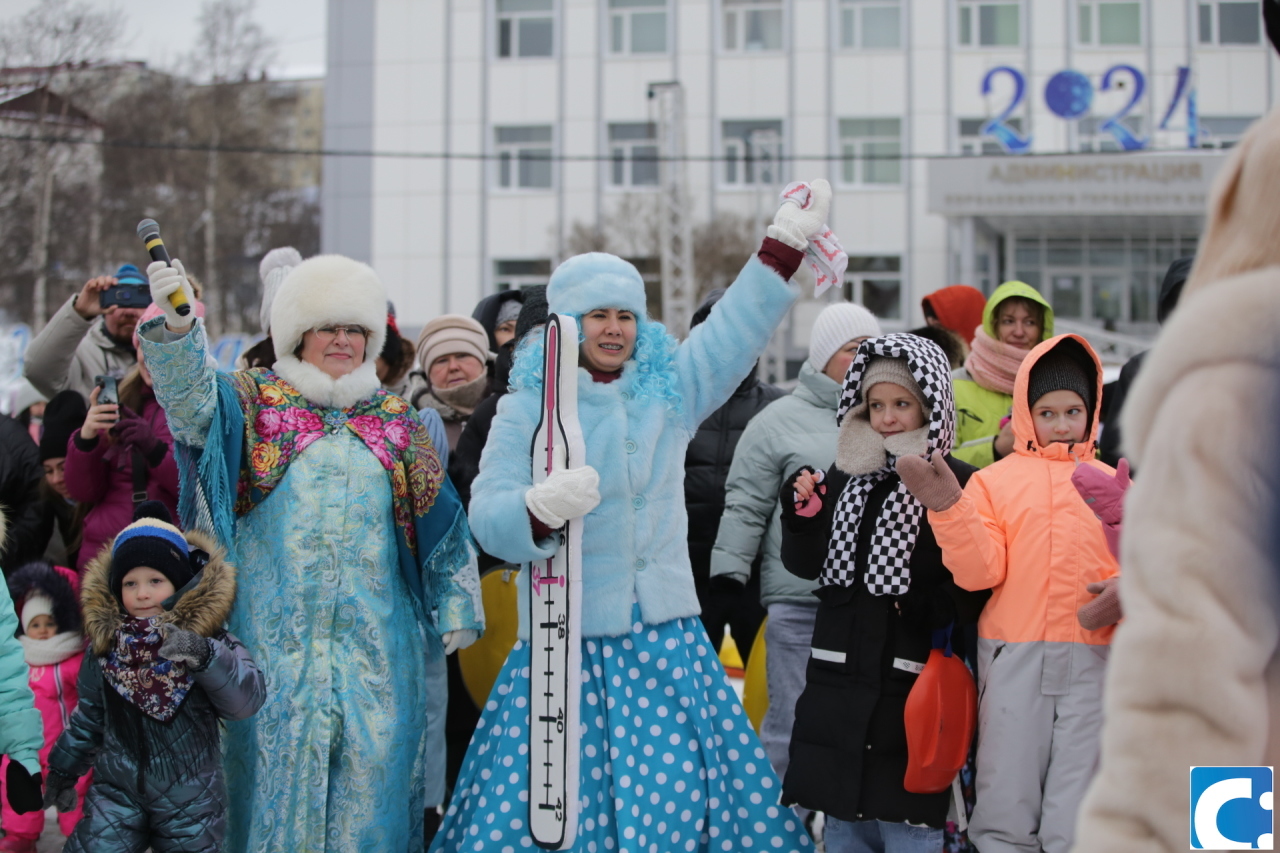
{"points": [[596, 280]]}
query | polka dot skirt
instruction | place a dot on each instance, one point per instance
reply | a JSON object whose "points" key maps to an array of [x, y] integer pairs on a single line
{"points": [[669, 760]]}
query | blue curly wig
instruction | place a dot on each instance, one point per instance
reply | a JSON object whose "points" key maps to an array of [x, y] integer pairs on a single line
{"points": [[652, 362]]}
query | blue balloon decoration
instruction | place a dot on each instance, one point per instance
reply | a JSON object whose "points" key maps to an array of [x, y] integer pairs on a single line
{"points": [[1068, 94]]}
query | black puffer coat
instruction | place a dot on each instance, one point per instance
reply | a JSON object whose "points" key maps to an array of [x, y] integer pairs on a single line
{"points": [[179, 800], [706, 467], [20, 476], [849, 746]]}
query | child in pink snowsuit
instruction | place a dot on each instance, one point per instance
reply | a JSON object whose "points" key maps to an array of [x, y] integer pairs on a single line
{"points": [[47, 600]]}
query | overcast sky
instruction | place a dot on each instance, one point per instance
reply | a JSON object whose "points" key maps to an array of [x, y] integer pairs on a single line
{"points": [[160, 31]]}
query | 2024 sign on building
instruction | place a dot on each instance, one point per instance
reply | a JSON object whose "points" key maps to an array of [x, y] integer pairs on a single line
{"points": [[1069, 95]]}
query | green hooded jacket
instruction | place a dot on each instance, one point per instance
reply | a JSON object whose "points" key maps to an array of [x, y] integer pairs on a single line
{"points": [[978, 409]]}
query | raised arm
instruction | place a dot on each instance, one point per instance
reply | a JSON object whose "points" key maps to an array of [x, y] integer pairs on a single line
{"points": [[972, 543], [184, 378], [719, 353], [232, 680]]}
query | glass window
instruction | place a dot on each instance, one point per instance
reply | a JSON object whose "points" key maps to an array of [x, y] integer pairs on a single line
{"points": [[1230, 22], [752, 152], [1106, 253], [1108, 297], [519, 274], [752, 25], [638, 26], [1223, 131], [633, 155], [1092, 137], [1068, 296], [523, 158], [973, 142], [526, 28], [1105, 23], [870, 24], [874, 281], [1143, 289], [1065, 252], [871, 149], [987, 23]]}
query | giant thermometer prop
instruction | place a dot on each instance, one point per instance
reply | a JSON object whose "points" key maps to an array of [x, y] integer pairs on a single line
{"points": [[555, 608]]}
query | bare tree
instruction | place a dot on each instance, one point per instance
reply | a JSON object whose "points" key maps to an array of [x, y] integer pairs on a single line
{"points": [[231, 49], [50, 39]]}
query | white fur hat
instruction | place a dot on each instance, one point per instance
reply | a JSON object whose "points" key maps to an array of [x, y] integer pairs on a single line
{"points": [[839, 323], [274, 268], [329, 289]]}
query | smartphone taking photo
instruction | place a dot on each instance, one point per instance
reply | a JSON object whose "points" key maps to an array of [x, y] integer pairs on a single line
{"points": [[109, 395]]}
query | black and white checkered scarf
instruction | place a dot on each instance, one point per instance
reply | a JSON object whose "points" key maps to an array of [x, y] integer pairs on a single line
{"points": [[898, 525]]}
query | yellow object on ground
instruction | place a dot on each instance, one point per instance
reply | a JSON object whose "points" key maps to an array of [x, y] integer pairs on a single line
{"points": [[730, 657], [755, 686], [482, 661]]}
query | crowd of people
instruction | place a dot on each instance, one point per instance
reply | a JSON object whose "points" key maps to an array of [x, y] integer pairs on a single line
{"points": [[236, 597]]}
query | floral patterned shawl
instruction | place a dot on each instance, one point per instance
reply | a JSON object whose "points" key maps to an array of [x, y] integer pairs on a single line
{"points": [[135, 670], [280, 423]]}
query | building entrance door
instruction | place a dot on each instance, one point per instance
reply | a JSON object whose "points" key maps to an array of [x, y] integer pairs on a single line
{"points": [[1088, 294]]}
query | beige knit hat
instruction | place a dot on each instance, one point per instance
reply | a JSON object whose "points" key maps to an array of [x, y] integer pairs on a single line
{"points": [[894, 370], [452, 333]]}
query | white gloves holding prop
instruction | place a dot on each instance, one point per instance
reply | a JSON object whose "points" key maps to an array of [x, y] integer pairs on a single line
{"points": [[165, 281], [565, 494], [801, 223], [460, 639]]}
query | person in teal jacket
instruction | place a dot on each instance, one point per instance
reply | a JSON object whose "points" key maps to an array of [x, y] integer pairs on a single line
{"points": [[21, 729], [1016, 318]]}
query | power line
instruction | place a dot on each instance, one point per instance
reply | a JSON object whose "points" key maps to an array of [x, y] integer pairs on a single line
{"points": [[555, 158]]}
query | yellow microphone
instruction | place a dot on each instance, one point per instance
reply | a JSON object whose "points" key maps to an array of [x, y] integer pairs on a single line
{"points": [[149, 231]]}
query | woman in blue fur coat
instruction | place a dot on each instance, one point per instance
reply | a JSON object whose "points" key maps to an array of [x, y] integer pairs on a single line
{"points": [[668, 758]]}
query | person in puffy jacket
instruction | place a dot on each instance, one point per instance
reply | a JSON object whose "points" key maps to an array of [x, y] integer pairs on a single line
{"points": [[1016, 318], [161, 677], [706, 468], [1020, 529], [120, 452], [51, 631], [875, 625], [792, 431]]}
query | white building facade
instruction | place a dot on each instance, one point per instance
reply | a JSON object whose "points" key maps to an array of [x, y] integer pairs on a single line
{"points": [[505, 127]]}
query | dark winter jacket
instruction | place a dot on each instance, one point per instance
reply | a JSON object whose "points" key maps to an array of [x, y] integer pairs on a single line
{"points": [[20, 477], [706, 467], [849, 747], [181, 789], [486, 313], [107, 483], [1109, 445]]}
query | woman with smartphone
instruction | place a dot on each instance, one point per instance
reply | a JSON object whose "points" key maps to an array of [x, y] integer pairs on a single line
{"points": [[122, 455]]}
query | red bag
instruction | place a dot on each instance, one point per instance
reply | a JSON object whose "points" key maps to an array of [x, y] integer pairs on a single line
{"points": [[941, 715]]}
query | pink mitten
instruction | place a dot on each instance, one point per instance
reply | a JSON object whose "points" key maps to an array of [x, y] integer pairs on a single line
{"points": [[931, 480], [812, 505], [1103, 610], [1105, 496]]}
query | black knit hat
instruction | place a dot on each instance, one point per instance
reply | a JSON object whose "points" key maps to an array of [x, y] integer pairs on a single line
{"points": [[533, 312], [63, 415], [1061, 369], [154, 542]]}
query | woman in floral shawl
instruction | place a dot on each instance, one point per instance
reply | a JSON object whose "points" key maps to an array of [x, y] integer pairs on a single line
{"points": [[357, 569]]}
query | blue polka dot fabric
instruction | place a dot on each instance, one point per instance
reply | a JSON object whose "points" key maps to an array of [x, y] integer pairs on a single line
{"points": [[669, 759]]}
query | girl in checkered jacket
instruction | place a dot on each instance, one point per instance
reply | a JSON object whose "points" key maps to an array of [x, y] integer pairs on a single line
{"points": [[883, 594]]}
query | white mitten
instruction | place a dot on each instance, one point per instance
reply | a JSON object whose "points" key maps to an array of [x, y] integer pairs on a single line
{"points": [[565, 494], [460, 639], [167, 280], [794, 224]]}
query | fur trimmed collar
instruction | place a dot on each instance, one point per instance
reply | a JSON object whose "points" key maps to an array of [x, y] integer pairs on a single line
{"points": [[201, 606], [861, 450], [322, 389]]}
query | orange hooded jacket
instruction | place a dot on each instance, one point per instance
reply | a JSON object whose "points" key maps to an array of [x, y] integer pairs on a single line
{"points": [[1022, 531]]}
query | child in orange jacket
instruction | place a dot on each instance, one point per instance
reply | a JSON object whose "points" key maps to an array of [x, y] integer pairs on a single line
{"points": [[1020, 529]]}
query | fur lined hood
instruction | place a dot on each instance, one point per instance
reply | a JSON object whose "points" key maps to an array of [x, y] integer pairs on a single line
{"points": [[201, 606], [55, 583]]}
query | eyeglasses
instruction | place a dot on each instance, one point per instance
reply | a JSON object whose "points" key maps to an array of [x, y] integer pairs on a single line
{"points": [[327, 334]]}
